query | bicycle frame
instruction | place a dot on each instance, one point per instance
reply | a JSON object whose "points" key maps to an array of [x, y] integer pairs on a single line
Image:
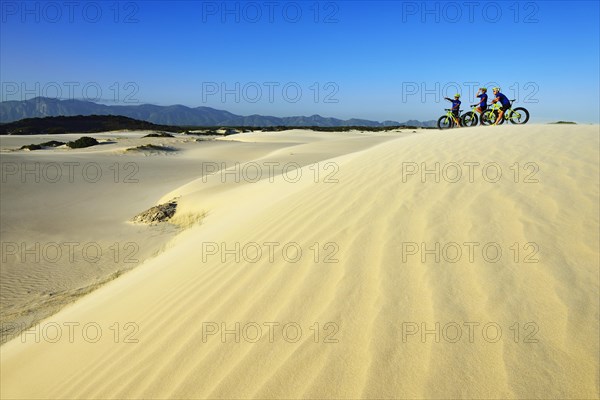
{"points": [[508, 114], [450, 114], [476, 115], [449, 120]]}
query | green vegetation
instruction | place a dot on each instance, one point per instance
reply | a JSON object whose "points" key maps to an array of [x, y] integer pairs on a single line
{"points": [[80, 124], [106, 123], [82, 142], [52, 143], [214, 131], [31, 147], [158, 134], [564, 122], [151, 148]]}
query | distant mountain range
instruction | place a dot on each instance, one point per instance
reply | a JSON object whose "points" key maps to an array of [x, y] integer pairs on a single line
{"points": [[174, 115], [80, 124]]}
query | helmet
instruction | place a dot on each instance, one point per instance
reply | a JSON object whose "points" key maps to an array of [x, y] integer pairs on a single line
{"points": [[496, 89], [457, 95], [484, 89]]}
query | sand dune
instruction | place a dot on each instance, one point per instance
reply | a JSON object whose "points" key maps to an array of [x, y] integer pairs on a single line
{"points": [[458, 264], [56, 202]]}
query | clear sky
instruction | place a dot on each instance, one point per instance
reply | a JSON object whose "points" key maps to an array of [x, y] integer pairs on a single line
{"points": [[379, 60]]}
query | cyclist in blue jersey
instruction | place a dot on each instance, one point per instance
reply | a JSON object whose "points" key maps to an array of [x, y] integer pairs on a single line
{"points": [[503, 100], [455, 106], [483, 97]]}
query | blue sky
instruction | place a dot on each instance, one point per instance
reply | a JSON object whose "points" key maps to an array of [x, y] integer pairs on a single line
{"points": [[389, 60]]}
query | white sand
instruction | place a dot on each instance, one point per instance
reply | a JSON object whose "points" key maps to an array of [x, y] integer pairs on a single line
{"points": [[357, 284], [65, 207]]}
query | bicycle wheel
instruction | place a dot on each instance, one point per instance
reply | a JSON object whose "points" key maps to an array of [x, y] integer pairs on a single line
{"points": [[469, 119], [445, 122], [488, 117], [519, 116]]}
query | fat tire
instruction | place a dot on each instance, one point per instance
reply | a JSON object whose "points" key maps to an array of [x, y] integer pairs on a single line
{"points": [[488, 117], [522, 111], [469, 119], [445, 122]]}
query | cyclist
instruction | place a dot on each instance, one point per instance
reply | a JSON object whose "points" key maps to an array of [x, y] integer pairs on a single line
{"points": [[503, 100], [455, 106], [483, 97]]}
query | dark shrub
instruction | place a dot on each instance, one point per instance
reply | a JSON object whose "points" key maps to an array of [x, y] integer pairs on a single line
{"points": [[82, 142], [31, 147], [52, 143], [159, 134]]}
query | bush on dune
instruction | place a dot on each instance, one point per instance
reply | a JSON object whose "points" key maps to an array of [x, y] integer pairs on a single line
{"points": [[158, 134], [82, 142], [51, 143], [31, 147], [152, 148]]}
